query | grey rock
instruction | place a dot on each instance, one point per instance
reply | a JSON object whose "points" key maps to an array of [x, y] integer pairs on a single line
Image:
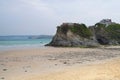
{"points": [[65, 37], [78, 35]]}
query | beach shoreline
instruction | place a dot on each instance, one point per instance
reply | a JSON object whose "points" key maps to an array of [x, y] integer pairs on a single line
{"points": [[48, 63]]}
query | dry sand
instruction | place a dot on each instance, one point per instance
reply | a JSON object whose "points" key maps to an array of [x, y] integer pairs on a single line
{"points": [[61, 64]]}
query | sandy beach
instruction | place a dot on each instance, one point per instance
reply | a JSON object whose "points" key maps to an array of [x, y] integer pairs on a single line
{"points": [[61, 64]]}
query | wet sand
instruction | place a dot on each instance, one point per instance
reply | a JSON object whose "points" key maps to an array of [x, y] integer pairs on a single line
{"points": [[61, 64]]}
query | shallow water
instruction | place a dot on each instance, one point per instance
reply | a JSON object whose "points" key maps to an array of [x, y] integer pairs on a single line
{"points": [[20, 42]]}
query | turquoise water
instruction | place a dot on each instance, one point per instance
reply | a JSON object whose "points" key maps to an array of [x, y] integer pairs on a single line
{"points": [[7, 43], [25, 42]]}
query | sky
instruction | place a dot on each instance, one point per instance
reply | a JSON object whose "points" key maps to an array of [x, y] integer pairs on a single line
{"points": [[40, 17]]}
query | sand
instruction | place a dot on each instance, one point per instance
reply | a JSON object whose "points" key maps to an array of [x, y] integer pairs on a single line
{"points": [[61, 64]]}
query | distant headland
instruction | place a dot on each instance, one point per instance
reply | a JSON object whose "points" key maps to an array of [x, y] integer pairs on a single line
{"points": [[104, 32]]}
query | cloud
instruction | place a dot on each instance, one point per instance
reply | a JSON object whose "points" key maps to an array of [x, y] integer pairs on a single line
{"points": [[39, 7], [35, 16], [28, 16]]}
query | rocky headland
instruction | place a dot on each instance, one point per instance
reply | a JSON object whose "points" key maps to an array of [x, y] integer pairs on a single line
{"points": [[104, 32]]}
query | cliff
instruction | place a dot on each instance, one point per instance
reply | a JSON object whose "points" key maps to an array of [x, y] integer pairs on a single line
{"points": [[75, 35], [107, 32]]}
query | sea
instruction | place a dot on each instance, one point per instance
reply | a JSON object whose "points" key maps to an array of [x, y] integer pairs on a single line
{"points": [[24, 41]]}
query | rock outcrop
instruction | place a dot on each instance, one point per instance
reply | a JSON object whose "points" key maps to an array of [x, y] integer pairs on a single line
{"points": [[104, 32], [73, 34], [107, 33]]}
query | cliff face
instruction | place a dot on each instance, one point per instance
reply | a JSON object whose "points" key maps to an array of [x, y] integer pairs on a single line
{"points": [[74, 34], [107, 35]]}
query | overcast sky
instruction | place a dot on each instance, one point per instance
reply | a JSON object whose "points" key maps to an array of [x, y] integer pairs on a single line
{"points": [[37, 17]]}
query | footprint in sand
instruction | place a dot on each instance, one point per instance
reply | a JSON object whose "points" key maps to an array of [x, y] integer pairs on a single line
{"points": [[5, 69], [26, 68], [2, 78]]}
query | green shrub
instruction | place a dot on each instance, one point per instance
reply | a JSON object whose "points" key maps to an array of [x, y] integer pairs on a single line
{"points": [[81, 30], [114, 31]]}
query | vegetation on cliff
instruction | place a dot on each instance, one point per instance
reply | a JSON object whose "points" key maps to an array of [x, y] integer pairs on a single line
{"points": [[104, 32], [82, 30], [108, 33], [114, 31]]}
